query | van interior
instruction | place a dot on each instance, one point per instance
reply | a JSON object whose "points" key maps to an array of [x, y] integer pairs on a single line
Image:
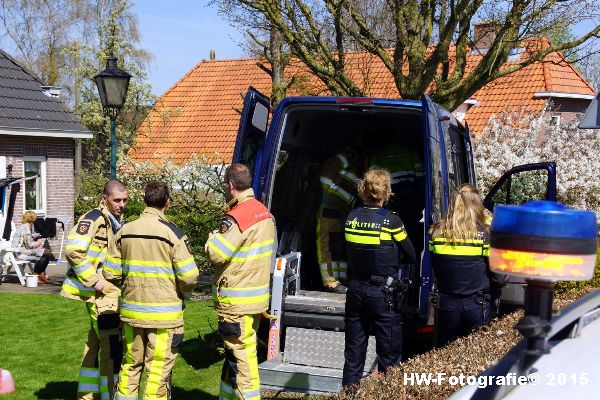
{"points": [[312, 134]]}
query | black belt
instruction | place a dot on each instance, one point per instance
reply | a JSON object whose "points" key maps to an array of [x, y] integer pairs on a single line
{"points": [[376, 280]]}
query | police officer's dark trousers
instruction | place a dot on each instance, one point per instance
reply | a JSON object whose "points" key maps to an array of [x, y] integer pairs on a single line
{"points": [[459, 315], [366, 309]]}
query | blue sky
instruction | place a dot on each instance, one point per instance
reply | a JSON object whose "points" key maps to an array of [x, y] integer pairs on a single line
{"points": [[180, 34]]}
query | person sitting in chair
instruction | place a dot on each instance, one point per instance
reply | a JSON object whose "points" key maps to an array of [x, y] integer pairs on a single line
{"points": [[31, 249]]}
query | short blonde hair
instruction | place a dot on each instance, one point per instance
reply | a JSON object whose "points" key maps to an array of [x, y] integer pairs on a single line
{"points": [[29, 217], [375, 186]]}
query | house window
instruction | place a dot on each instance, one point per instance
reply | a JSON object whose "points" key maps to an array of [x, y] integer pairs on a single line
{"points": [[35, 189], [555, 120]]}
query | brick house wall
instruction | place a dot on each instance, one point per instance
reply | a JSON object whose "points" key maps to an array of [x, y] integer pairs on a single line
{"points": [[59, 154]]}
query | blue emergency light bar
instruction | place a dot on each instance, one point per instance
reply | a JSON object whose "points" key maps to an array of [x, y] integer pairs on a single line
{"points": [[544, 240]]}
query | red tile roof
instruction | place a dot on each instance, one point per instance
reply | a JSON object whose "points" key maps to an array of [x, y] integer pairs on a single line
{"points": [[200, 113]]}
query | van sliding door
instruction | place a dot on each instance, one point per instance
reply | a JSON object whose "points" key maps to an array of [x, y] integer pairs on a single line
{"points": [[251, 136]]}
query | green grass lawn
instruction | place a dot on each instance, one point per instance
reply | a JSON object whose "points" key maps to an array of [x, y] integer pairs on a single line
{"points": [[42, 338]]}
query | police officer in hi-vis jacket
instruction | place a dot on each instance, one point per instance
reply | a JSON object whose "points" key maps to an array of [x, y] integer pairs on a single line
{"points": [[373, 237], [151, 262], [87, 243], [243, 250], [460, 248]]}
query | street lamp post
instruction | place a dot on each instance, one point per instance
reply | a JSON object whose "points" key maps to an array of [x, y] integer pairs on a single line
{"points": [[112, 84]]}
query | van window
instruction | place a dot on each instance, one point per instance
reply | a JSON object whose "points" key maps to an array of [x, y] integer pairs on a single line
{"points": [[459, 156], [522, 187], [437, 183]]}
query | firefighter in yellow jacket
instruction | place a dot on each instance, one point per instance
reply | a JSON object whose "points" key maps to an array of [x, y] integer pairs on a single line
{"points": [[339, 177], [85, 251], [151, 262], [243, 250]]}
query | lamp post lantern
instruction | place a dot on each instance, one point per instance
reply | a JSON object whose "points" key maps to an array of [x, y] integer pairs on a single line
{"points": [[112, 84]]}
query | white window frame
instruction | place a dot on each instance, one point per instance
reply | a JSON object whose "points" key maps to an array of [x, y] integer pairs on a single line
{"points": [[42, 160]]}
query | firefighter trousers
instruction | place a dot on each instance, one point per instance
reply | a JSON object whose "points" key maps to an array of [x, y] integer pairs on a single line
{"points": [[152, 349], [239, 377], [101, 356], [330, 243]]}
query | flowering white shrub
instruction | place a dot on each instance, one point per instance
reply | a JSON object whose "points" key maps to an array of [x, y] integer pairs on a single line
{"points": [[519, 138]]}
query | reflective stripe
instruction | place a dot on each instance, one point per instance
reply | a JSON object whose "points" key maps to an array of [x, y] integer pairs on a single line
{"points": [[89, 372], [226, 388], [84, 269], [88, 387], [113, 265], [398, 237], [79, 243], [242, 295], [362, 239], [253, 253], [74, 286], [151, 311], [219, 244], [350, 176], [460, 250], [148, 271], [331, 187], [161, 346], [186, 267], [385, 229], [229, 253], [343, 160], [96, 253], [104, 395], [127, 364], [252, 395]]}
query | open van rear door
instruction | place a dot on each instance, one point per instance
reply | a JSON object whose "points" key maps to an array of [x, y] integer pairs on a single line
{"points": [[524, 183], [520, 184], [252, 132], [436, 194]]}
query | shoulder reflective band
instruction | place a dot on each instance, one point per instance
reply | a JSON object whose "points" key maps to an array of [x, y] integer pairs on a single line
{"points": [[350, 176], [459, 247], [78, 242], [343, 160]]}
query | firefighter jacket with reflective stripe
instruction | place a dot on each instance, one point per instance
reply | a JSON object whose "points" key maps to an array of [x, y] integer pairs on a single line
{"points": [[339, 178], [85, 251], [404, 163], [150, 260], [461, 266], [372, 234], [243, 250]]}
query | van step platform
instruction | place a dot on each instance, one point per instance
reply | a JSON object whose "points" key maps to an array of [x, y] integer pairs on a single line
{"points": [[312, 362], [309, 301]]}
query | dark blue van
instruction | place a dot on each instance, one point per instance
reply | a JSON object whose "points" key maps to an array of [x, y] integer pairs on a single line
{"points": [[285, 156]]}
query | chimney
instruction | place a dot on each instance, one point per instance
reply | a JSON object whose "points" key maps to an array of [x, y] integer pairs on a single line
{"points": [[51, 91], [484, 34], [212, 54]]}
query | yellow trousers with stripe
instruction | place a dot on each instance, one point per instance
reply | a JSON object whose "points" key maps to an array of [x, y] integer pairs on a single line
{"points": [[330, 244], [239, 377], [154, 350], [97, 372]]}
